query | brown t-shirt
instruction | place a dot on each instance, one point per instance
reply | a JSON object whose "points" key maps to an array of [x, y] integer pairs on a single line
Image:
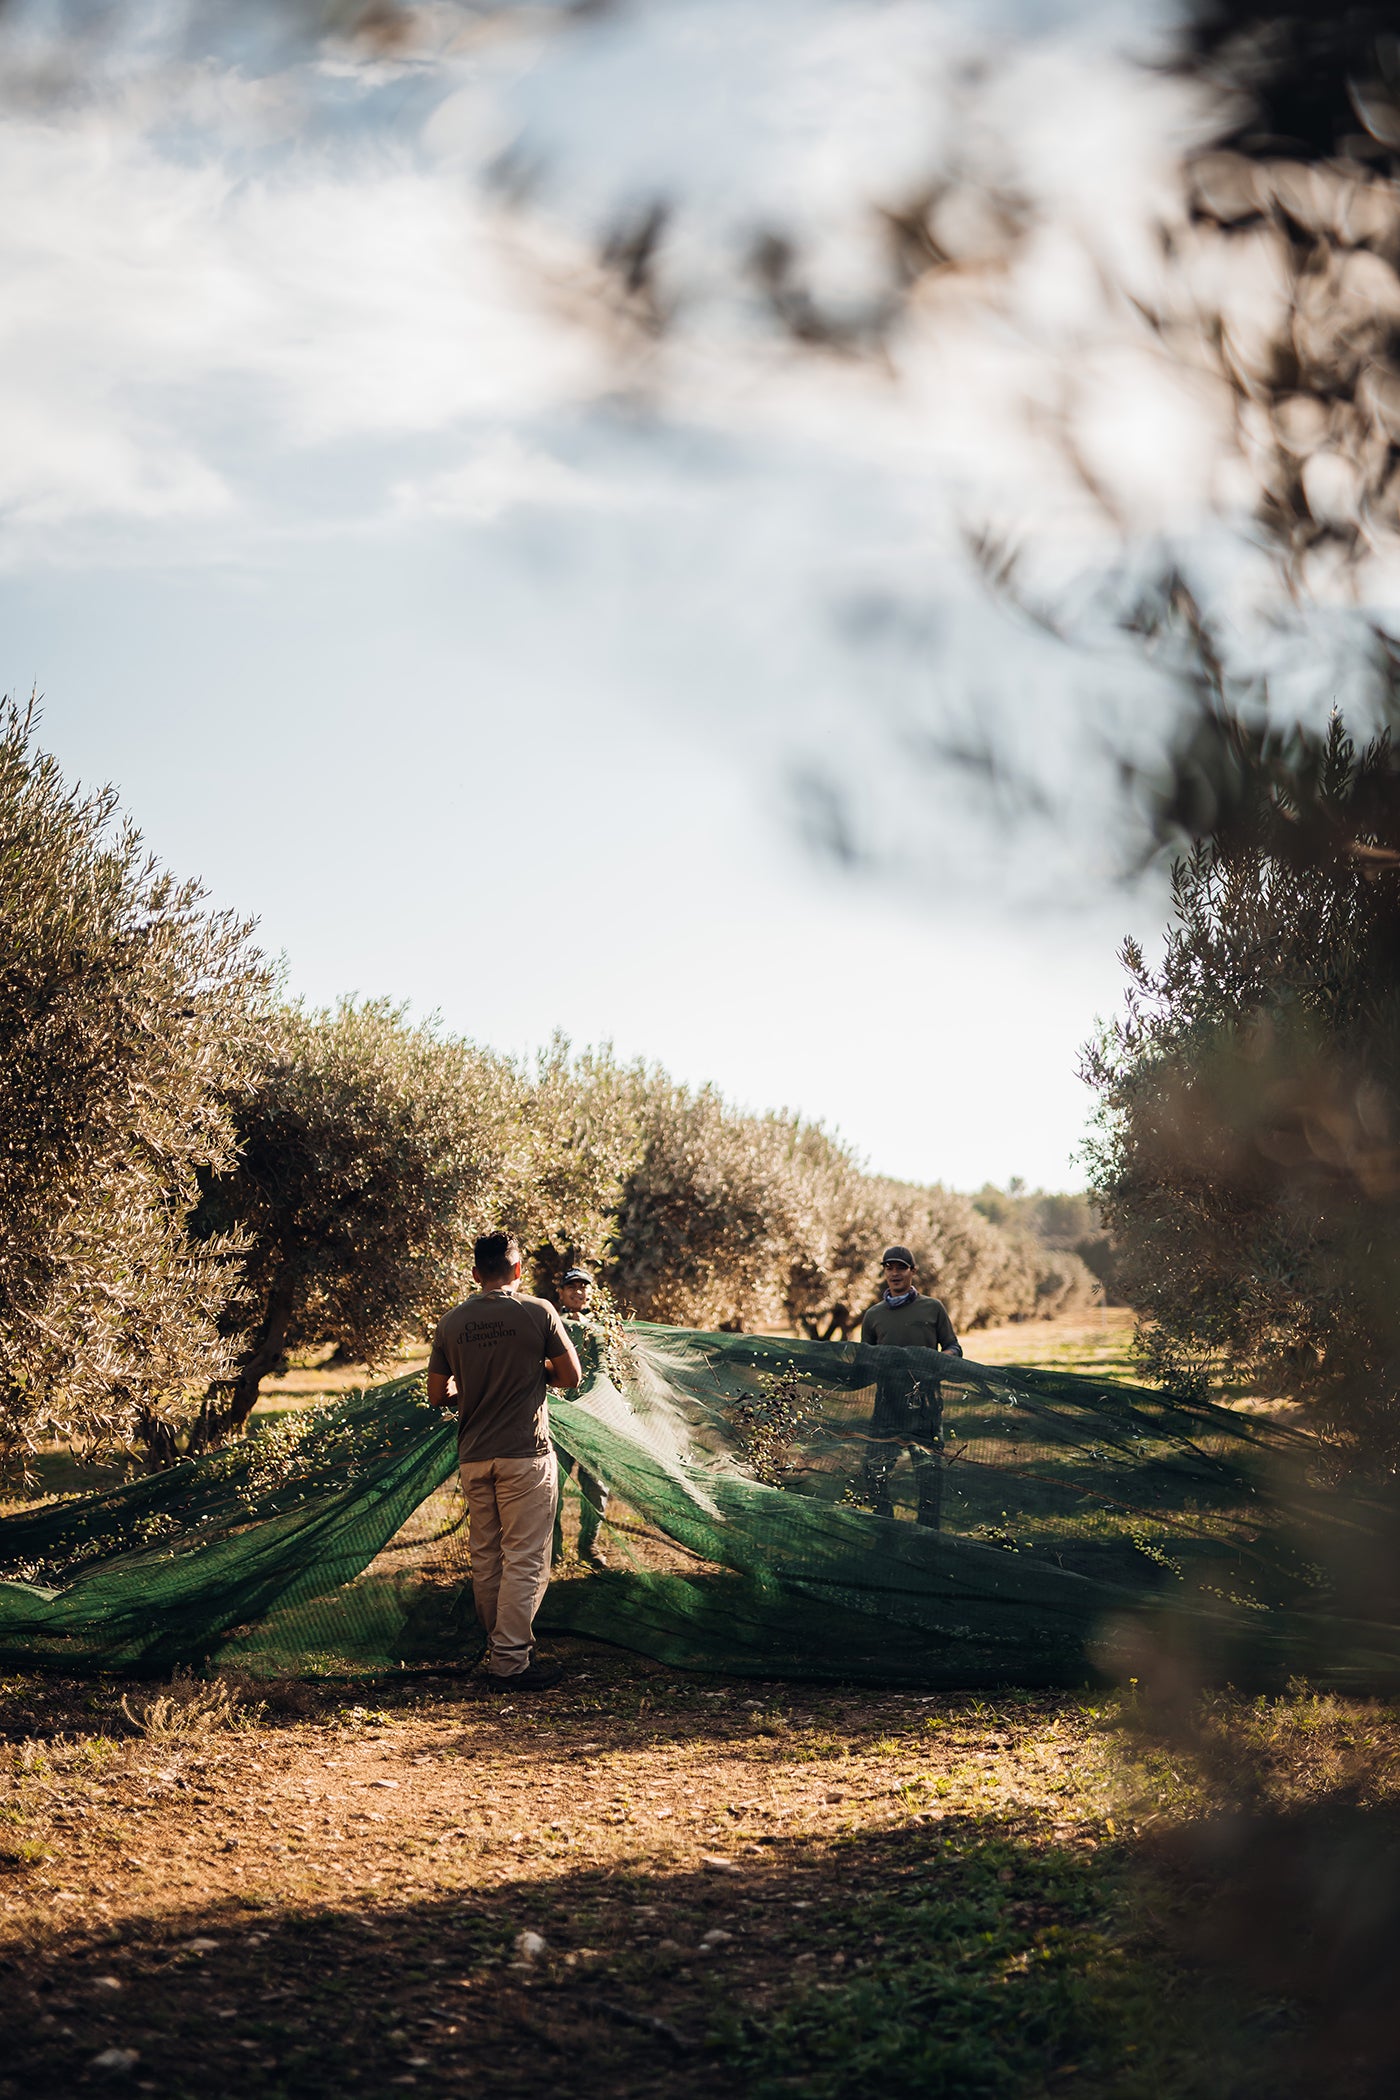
{"points": [[494, 1346], [921, 1324]]}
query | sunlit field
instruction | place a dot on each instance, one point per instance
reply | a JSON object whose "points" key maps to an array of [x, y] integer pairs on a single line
{"points": [[1098, 1341]]}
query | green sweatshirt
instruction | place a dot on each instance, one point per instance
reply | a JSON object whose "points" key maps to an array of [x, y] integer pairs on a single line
{"points": [[587, 1337], [921, 1324]]}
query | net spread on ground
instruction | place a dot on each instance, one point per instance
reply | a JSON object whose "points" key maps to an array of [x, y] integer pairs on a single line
{"points": [[776, 1508]]}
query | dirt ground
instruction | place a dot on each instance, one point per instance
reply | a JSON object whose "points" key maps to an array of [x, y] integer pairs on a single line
{"points": [[319, 1894], [644, 1883]]}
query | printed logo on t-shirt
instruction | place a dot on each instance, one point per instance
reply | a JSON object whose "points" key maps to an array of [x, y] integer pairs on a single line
{"points": [[487, 1333]]}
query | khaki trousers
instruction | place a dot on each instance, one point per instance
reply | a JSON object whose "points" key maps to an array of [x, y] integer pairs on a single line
{"points": [[510, 1516]]}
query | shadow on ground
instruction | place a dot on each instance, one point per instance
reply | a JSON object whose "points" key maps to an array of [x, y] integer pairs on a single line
{"points": [[993, 1943], [949, 1959]]}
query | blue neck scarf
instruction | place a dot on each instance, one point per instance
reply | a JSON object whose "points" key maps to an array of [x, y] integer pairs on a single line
{"points": [[904, 1296]]}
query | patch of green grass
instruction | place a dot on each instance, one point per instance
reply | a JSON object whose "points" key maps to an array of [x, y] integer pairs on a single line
{"points": [[810, 1748], [23, 1852], [994, 1971]]}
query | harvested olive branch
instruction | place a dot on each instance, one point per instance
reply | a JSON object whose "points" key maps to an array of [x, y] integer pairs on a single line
{"points": [[772, 1424]]}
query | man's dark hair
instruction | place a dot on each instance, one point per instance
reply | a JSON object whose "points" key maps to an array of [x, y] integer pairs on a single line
{"points": [[495, 1255]]}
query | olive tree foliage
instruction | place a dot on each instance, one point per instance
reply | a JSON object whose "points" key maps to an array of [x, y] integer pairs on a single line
{"points": [[1058, 1223], [579, 1130], [984, 1272], [707, 1215], [1248, 1155], [733, 1220], [370, 1153], [1285, 282], [131, 1019]]}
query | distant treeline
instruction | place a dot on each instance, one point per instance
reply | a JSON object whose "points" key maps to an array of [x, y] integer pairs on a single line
{"points": [[722, 1218], [197, 1177], [368, 1152], [1062, 1222]]}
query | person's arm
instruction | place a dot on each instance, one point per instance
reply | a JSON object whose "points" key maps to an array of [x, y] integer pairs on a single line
{"points": [[439, 1372], [947, 1340], [564, 1371], [561, 1364], [867, 1327]]}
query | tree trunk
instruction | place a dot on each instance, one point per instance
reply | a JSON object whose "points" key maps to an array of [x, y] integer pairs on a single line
{"points": [[158, 1439], [839, 1322], [227, 1407]]}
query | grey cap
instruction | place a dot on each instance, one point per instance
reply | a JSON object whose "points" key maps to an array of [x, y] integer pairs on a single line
{"points": [[577, 1276], [898, 1254]]}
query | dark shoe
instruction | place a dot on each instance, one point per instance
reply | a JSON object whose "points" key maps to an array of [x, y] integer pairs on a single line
{"points": [[540, 1677], [594, 1556]]}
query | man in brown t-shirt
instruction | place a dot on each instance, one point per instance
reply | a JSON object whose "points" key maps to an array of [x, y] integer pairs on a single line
{"points": [[502, 1351]]}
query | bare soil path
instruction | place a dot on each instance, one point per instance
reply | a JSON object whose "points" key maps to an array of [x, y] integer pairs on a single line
{"points": [[644, 1883]]}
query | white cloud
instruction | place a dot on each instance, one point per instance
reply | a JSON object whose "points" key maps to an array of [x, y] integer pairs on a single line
{"points": [[162, 315], [798, 115], [280, 350], [215, 294], [503, 473], [240, 315]]}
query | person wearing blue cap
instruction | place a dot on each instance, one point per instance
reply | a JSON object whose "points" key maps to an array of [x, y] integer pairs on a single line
{"points": [[908, 1412], [575, 1302]]}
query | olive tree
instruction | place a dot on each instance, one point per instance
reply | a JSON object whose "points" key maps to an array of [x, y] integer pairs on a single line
{"points": [[984, 1272], [370, 1153], [578, 1134], [1247, 1149], [130, 1020], [710, 1216], [728, 1219]]}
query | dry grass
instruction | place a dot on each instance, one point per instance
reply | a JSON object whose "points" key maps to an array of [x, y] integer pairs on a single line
{"points": [[190, 1707], [1271, 1755], [311, 1376], [1097, 1342]]}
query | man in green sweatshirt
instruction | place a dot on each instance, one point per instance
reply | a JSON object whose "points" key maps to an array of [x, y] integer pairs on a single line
{"points": [[908, 1407]]}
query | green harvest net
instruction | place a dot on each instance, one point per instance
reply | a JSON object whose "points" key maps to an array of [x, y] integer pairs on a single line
{"points": [[777, 1508]]}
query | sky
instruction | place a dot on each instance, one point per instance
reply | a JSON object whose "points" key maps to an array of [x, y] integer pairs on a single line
{"points": [[504, 657]]}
